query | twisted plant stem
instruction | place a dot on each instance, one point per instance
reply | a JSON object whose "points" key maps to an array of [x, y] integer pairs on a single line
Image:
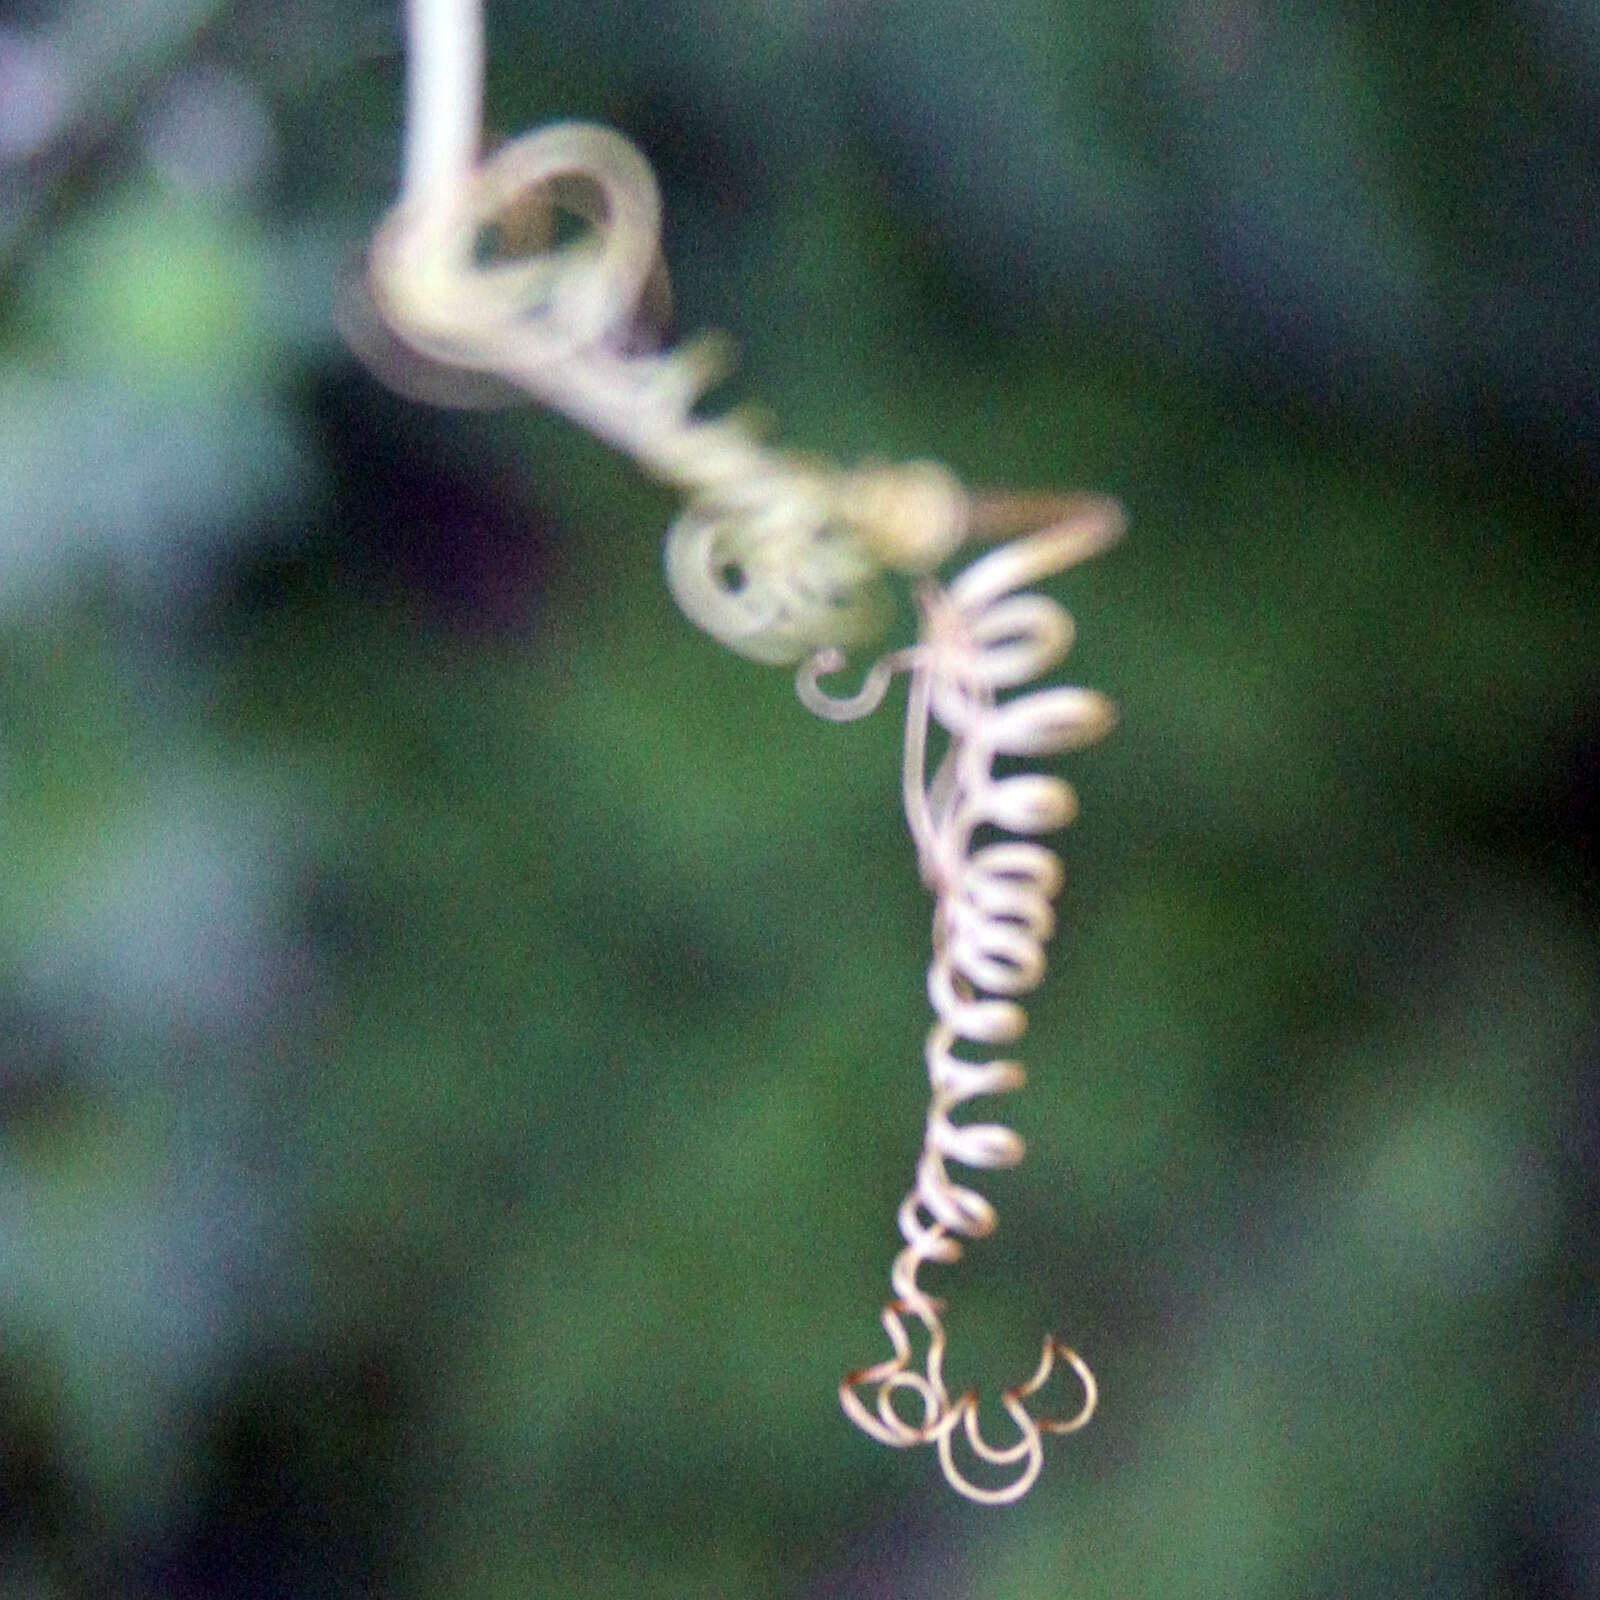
{"points": [[444, 102], [782, 558]]}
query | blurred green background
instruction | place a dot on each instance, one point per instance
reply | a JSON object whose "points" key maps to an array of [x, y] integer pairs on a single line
{"points": [[460, 1030]]}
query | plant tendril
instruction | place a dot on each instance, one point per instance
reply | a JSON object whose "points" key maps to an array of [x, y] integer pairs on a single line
{"points": [[783, 558]]}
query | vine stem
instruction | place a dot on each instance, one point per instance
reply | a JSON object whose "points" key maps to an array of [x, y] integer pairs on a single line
{"points": [[444, 101]]}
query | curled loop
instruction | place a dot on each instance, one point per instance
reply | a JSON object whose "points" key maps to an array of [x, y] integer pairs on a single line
{"points": [[842, 708], [438, 291], [941, 1420], [765, 569]]}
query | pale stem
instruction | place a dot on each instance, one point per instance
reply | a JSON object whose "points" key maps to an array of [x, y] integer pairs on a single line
{"points": [[444, 99]]}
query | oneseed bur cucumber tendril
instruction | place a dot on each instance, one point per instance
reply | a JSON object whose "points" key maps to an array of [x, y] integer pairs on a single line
{"points": [[785, 559]]}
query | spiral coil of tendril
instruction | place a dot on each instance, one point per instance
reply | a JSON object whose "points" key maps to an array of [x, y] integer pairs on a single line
{"points": [[774, 556], [992, 919]]}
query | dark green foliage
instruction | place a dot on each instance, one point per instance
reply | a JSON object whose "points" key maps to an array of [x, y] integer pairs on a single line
{"points": [[460, 1031]]}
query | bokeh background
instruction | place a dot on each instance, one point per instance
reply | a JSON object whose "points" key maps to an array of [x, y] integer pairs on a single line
{"points": [[459, 1030]]}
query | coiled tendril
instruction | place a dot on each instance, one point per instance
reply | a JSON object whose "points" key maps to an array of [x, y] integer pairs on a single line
{"points": [[992, 918], [780, 558], [774, 555]]}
